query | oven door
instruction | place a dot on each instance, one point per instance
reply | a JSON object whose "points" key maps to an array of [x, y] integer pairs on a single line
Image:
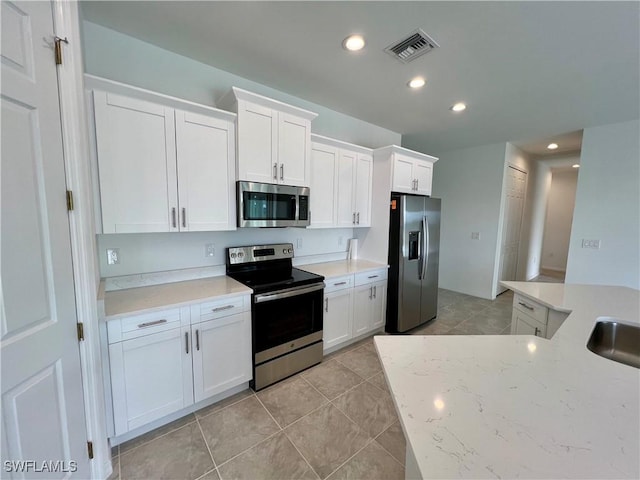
{"points": [[286, 320]]}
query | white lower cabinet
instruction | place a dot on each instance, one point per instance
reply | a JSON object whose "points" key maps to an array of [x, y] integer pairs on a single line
{"points": [[337, 317], [532, 318], [221, 354], [165, 361], [350, 312]]}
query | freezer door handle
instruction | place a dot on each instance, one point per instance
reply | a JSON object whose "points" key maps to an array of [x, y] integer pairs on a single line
{"points": [[425, 247], [420, 251]]}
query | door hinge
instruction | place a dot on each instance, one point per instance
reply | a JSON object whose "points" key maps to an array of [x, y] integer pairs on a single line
{"points": [[69, 200], [90, 449], [80, 326], [58, 48]]}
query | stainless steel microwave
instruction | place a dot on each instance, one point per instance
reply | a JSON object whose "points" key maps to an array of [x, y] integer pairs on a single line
{"points": [[268, 205]]}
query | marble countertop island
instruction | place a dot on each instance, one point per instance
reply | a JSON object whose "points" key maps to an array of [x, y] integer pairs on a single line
{"points": [[520, 406]]}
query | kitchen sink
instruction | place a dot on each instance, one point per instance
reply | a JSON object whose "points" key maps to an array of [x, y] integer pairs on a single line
{"points": [[616, 341]]}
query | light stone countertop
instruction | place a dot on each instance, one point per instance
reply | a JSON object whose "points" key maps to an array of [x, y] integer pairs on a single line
{"points": [[519, 406], [129, 301], [341, 267]]}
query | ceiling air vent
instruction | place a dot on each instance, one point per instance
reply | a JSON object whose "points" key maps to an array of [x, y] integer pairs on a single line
{"points": [[417, 43]]}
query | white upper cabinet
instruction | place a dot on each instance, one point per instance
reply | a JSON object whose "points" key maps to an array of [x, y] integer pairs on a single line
{"points": [[411, 172], [341, 184], [274, 139], [164, 165]]}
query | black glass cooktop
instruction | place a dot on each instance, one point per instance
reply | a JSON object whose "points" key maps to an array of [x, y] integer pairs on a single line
{"points": [[272, 280]]}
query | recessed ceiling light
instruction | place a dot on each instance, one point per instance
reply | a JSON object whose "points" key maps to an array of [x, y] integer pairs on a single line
{"points": [[353, 43], [576, 165], [417, 82], [458, 107], [552, 146]]}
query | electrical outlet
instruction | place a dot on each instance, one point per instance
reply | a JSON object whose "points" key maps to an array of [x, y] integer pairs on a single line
{"points": [[590, 243], [209, 250], [475, 235], [298, 242], [113, 256]]}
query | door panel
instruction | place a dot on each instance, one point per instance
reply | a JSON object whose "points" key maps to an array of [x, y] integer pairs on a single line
{"points": [[423, 172], [206, 172], [256, 143], [362, 198], [324, 162], [293, 149], [42, 403], [344, 186], [402, 174], [337, 326], [429, 296], [512, 220]]}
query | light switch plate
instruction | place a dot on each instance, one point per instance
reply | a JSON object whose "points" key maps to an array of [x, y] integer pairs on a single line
{"points": [[590, 243], [113, 256], [209, 250], [475, 235]]}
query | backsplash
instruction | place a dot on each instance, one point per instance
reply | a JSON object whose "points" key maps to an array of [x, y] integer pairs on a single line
{"points": [[158, 253]]}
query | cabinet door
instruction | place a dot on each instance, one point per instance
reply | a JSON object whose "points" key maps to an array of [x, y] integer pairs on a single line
{"points": [[423, 172], [137, 164], [151, 377], [221, 354], [206, 172], [403, 175], [379, 305], [324, 163], [525, 325], [345, 177], [337, 321], [257, 143], [362, 190], [362, 301], [294, 150]]}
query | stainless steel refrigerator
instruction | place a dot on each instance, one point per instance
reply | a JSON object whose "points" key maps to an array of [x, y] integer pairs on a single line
{"points": [[414, 245]]}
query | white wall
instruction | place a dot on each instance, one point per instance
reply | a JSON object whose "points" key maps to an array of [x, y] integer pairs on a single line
{"points": [[469, 182], [119, 57], [125, 59], [557, 225], [607, 208]]}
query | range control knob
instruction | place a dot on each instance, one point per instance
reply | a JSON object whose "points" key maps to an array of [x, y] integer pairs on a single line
{"points": [[289, 250], [233, 255], [284, 250], [240, 254]]}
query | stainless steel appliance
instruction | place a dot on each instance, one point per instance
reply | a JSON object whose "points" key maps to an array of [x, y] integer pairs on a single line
{"points": [[267, 205], [414, 244], [286, 311]]}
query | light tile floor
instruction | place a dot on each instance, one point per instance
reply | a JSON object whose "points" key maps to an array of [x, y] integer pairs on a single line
{"points": [[333, 421]]}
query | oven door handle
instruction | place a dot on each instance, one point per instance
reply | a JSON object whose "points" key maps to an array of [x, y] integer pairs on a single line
{"points": [[292, 292]]}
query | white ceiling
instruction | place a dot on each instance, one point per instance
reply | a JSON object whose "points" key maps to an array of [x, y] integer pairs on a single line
{"points": [[529, 71]]}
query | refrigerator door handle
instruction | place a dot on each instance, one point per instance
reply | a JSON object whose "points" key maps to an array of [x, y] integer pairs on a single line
{"points": [[425, 245], [421, 252]]}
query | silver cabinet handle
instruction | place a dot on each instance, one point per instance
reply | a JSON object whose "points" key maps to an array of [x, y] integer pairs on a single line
{"points": [[282, 171], [275, 171], [372, 276], [184, 218], [326, 304], [358, 219], [339, 283], [151, 324], [526, 306], [219, 309], [173, 217], [417, 183], [370, 293], [354, 218], [186, 342], [413, 184], [537, 331], [197, 340], [375, 291]]}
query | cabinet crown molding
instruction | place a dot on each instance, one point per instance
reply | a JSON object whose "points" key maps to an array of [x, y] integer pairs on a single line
{"points": [[388, 150], [92, 82], [340, 144], [237, 94]]}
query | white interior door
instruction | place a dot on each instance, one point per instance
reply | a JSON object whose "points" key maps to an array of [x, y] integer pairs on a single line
{"points": [[42, 404], [512, 221]]}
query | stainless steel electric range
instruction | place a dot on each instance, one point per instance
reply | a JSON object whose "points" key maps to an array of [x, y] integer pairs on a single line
{"points": [[286, 311]]}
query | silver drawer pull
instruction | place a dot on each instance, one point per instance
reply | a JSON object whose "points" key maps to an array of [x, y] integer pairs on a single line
{"points": [[219, 309], [526, 306], [372, 276], [339, 283], [151, 324]]}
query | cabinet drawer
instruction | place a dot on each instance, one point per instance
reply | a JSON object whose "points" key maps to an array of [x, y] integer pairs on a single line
{"points": [[218, 308], [140, 325], [531, 308], [338, 283], [370, 277]]}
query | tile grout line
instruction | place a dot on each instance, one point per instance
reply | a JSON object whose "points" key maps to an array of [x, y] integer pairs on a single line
{"points": [[383, 447], [159, 436], [204, 438], [351, 457], [226, 406]]}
